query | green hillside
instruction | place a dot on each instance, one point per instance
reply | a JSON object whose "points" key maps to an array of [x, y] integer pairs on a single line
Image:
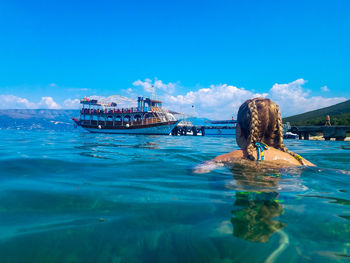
{"points": [[340, 115]]}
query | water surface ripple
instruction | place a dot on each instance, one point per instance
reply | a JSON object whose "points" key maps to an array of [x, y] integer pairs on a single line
{"points": [[80, 197]]}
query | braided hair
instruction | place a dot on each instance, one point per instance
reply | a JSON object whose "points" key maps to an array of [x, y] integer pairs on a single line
{"points": [[280, 145], [253, 136], [260, 121]]}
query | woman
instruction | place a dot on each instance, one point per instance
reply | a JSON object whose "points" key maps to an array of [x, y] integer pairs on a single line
{"points": [[259, 134]]}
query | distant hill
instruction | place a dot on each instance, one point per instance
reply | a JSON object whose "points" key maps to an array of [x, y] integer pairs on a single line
{"points": [[37, 119], [339, 113]]}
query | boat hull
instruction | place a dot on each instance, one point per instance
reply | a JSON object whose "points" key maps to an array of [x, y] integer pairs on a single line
{"points": [[164, 128]]}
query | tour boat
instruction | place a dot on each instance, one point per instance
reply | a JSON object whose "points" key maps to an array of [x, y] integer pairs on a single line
{"points": [[106, 117]]}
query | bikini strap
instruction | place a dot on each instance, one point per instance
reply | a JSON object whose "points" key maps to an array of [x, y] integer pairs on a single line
{"points": [[260, 147]]}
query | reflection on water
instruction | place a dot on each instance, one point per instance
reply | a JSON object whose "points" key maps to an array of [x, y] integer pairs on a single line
{"points": [[253, 215], [253, 212]]}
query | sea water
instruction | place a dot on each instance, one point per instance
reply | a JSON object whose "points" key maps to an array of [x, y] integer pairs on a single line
{"points": [[81, 197]]}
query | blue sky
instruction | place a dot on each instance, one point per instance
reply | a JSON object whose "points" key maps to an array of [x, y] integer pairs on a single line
{"points": [[67, 49]]}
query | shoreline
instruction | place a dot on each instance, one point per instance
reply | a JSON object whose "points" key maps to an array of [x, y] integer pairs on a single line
{"points": [[320, 138]]}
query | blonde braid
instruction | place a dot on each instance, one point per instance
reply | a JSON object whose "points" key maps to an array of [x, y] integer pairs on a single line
{"points": [[280, 143], [254, 129]]}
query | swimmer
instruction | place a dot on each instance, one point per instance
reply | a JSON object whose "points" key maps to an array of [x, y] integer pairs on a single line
{"points": [[259, 134]]}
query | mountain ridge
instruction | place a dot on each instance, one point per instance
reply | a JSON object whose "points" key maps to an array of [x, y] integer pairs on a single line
{"points": [[339, 113], [37, 119]]}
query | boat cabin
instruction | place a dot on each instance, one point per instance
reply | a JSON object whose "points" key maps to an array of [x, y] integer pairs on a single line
{"points": [[146, 104], [94, 112]]}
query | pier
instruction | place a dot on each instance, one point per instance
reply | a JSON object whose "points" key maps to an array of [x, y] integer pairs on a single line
{"points": [[187, 128], [337, 132]]}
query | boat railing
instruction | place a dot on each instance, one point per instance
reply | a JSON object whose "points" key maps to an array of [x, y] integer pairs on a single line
{"points": [[118, 111]]}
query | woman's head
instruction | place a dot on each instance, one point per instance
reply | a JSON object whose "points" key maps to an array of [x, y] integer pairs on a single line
{"points": [[259, 120]]}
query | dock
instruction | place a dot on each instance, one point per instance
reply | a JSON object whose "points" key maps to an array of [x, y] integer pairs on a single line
{"points": [[187, 128], [337, 132]]}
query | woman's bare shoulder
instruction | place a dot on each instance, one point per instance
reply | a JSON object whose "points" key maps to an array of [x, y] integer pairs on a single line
{"points": [[272, 156], [237, 154], [277, 155]]}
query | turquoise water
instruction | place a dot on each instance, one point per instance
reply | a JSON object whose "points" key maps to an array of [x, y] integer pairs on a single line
{"points": [[79, 197]]}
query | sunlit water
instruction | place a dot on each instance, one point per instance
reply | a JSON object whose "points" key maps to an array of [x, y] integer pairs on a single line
{"points": [[79, 197]]}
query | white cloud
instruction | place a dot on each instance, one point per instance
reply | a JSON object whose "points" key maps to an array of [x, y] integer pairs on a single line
{"points": [[223, 101], [325, 88], [71, 104], [147, 85], [293, 99], [129, 91], [14, 102], [48, 103], [216, 102], [150, 86], [52, 85]]}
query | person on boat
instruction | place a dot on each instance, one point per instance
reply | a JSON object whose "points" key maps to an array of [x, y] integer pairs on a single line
{"points": [[259, 134]]}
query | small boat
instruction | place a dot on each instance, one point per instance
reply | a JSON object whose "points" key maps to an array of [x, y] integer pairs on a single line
{"points": [[289, 135], [149, 117], [286, 132]]}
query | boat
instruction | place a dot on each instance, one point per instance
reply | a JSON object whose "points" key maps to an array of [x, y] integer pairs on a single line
{"points": [[286, 132], [106, 116], [289, 135]]}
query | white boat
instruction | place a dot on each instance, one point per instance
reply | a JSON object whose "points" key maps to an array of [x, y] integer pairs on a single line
{"points": [[105, 117]]}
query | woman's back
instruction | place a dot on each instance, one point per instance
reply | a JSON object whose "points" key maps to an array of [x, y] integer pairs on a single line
{"points": [[271, 156]]}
